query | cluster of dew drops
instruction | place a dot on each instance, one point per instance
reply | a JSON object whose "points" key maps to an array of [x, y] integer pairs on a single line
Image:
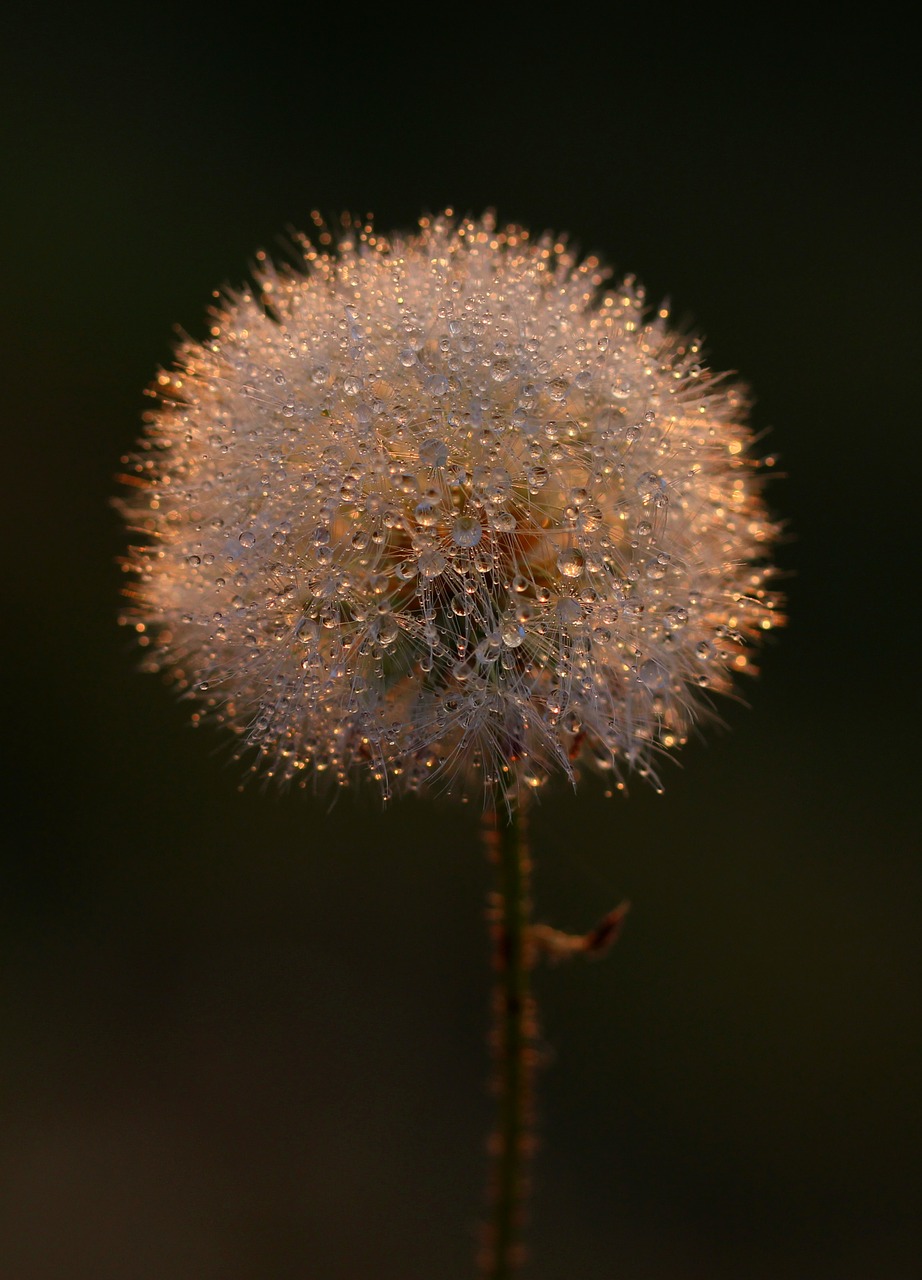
{"points": [[443, 507]]}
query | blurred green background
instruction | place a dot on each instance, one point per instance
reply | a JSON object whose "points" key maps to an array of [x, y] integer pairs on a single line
{"points": [[242, 1036]]}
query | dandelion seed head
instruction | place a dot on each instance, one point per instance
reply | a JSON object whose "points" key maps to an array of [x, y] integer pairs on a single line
{"points": [[445, 510]]}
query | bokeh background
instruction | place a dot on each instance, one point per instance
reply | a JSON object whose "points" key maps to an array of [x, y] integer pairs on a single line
{"points": [[242, 1036]]}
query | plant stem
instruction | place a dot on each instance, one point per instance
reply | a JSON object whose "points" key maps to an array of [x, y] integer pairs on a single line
{"points": [[514, 1031]]}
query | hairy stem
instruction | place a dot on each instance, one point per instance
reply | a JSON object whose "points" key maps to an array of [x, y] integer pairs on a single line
{"points": [[513, 1036]]}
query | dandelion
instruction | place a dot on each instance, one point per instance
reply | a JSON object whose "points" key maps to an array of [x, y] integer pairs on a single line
{"points": [[445, 512], [440, 510]]}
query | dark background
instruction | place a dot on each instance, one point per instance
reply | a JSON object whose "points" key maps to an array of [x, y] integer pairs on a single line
{"points": [[242, 1036]]}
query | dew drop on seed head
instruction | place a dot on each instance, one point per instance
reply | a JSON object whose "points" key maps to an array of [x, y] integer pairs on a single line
{"points": [[570, 562], [247, 539], [466, 531], [675, 617], [433, 452], [388, 630], [568, 610], [513, 633], [652, 676], [431, 564], [488, 650], [426, 514]]}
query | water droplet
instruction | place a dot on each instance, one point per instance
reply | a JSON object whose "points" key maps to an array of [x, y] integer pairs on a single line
{"points": [[570, 562], [431, 564], [466, 531], [488, 650], [503, 522], [568, 610], [652, 676], [537, 478], [426, 514], [352, 385], [433, 452], [513, 633], [462, 671], [437, 385], [387, 630], [247, 539]]}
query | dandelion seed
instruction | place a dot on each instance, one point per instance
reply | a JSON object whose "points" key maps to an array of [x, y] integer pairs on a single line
{"points": [[436, 505]]}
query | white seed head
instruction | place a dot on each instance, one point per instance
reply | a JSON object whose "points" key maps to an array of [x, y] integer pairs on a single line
{"points": [[441, 507]]}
